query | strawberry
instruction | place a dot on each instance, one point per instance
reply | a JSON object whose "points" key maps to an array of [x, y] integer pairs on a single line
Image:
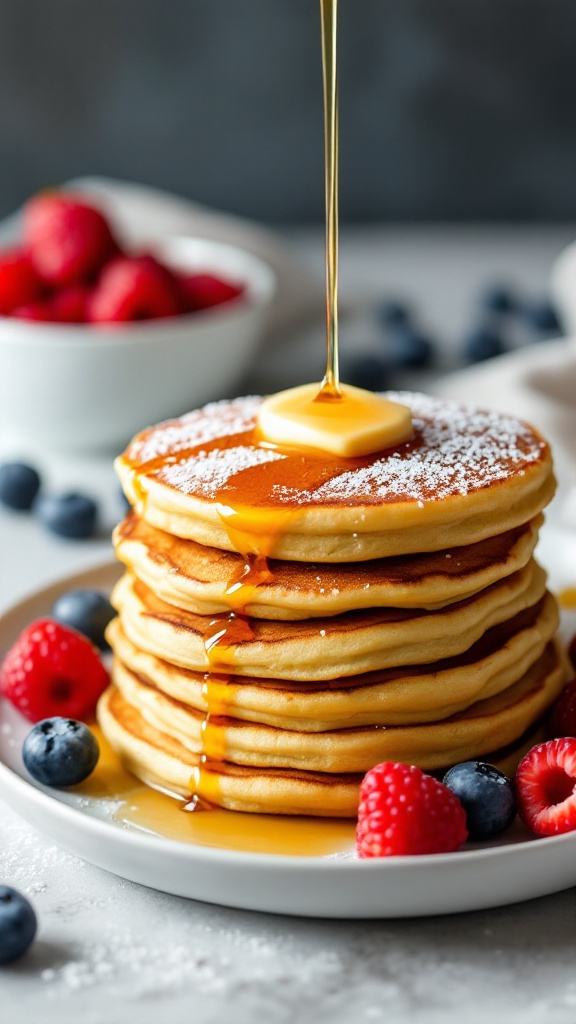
{"points": [[546, 785], [52, 670], [404, 811], [19, 283], [133, 288], [202, 291], [67, 239]]}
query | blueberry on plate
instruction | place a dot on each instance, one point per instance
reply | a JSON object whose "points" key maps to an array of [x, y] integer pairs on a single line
{"points": [[483, 343], [18, 924], [86, 611], [60, 752], [498, 298], [486, 795], [19, 485], [365, 370], [408, 348], [69, 515]]}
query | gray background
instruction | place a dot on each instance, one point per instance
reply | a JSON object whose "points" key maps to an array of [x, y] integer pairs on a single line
{"points": [[450, 109]]}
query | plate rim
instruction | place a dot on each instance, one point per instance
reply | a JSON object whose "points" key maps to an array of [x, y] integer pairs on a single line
{"points": [[17, 790]]}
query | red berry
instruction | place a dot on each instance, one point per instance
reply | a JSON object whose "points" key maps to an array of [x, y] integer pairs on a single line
{"points": [[133, 288], [546, 784], [201, 291], [404, 811], [39, 311], [69, 305], [52, 670], [563, 717], [67, 239], [19, 283]]}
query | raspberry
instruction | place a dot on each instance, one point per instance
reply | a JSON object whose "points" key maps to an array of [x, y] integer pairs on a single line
{"points": [[404, 811], [41, 312], [563, 717], [67, 239], [201, 291], [19, 283], [546, 785], [52, 670], [131, 289], [68, 306]]}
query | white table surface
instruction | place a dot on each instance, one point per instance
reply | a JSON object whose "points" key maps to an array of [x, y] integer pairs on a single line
{"points": [[110, 951]]}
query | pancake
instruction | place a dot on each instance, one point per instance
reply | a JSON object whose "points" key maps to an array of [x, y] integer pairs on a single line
{"points": [[414, 694], [162, 759], [210, 581], [321, 649], [288, 618], [466, 475]]}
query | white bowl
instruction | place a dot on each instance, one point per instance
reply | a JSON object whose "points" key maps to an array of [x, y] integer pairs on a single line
{"points": [[74, 388]]}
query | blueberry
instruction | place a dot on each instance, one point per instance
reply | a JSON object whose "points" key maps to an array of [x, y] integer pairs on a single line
{"points": [[19, 485], [543, 318], [17, 924], [499, 299], [60, 752], [393, 314], [409, 348], [86, 611], [483, 343], [69, 515], [365, 370], [486, 795]]}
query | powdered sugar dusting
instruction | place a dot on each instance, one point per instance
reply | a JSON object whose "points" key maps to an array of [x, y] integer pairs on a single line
{"points": [[218, 419], [456, 450], [207, 472]]}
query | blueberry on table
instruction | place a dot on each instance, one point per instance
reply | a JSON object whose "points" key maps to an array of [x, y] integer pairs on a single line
{"points": [[71, 515], [19, 485], [483, 343], [86, 611], [498, 298], [393, 313], [486, 795], [543, 318], [365, 370], [60, 752], [17, 924], [408, 348]]}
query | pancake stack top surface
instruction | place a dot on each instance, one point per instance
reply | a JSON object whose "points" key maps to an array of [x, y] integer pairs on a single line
{"points": [[288, 618]]}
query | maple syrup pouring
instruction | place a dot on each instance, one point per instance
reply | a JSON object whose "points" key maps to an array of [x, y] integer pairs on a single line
{"points": [[330, 388]]}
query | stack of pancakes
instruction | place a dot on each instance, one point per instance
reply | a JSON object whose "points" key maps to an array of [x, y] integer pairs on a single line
{"points": [[288, 618]]}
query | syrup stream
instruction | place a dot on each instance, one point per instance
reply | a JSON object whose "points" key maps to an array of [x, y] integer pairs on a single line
{"points": [[330, 388]]}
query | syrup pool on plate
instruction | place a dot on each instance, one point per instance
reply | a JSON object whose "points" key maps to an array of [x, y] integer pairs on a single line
{"points": [[148, 810]]}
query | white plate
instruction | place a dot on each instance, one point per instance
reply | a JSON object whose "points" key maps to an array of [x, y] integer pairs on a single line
{"points": [[517, 869]]}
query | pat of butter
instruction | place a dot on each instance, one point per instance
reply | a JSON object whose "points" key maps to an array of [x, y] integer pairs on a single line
{"points": [[356, 422]]}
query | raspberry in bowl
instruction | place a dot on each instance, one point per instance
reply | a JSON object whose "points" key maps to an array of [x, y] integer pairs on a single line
{"points": [[96, 341]]}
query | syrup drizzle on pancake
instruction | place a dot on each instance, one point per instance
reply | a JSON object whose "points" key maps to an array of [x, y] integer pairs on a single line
{"points": [[215, 454]]}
